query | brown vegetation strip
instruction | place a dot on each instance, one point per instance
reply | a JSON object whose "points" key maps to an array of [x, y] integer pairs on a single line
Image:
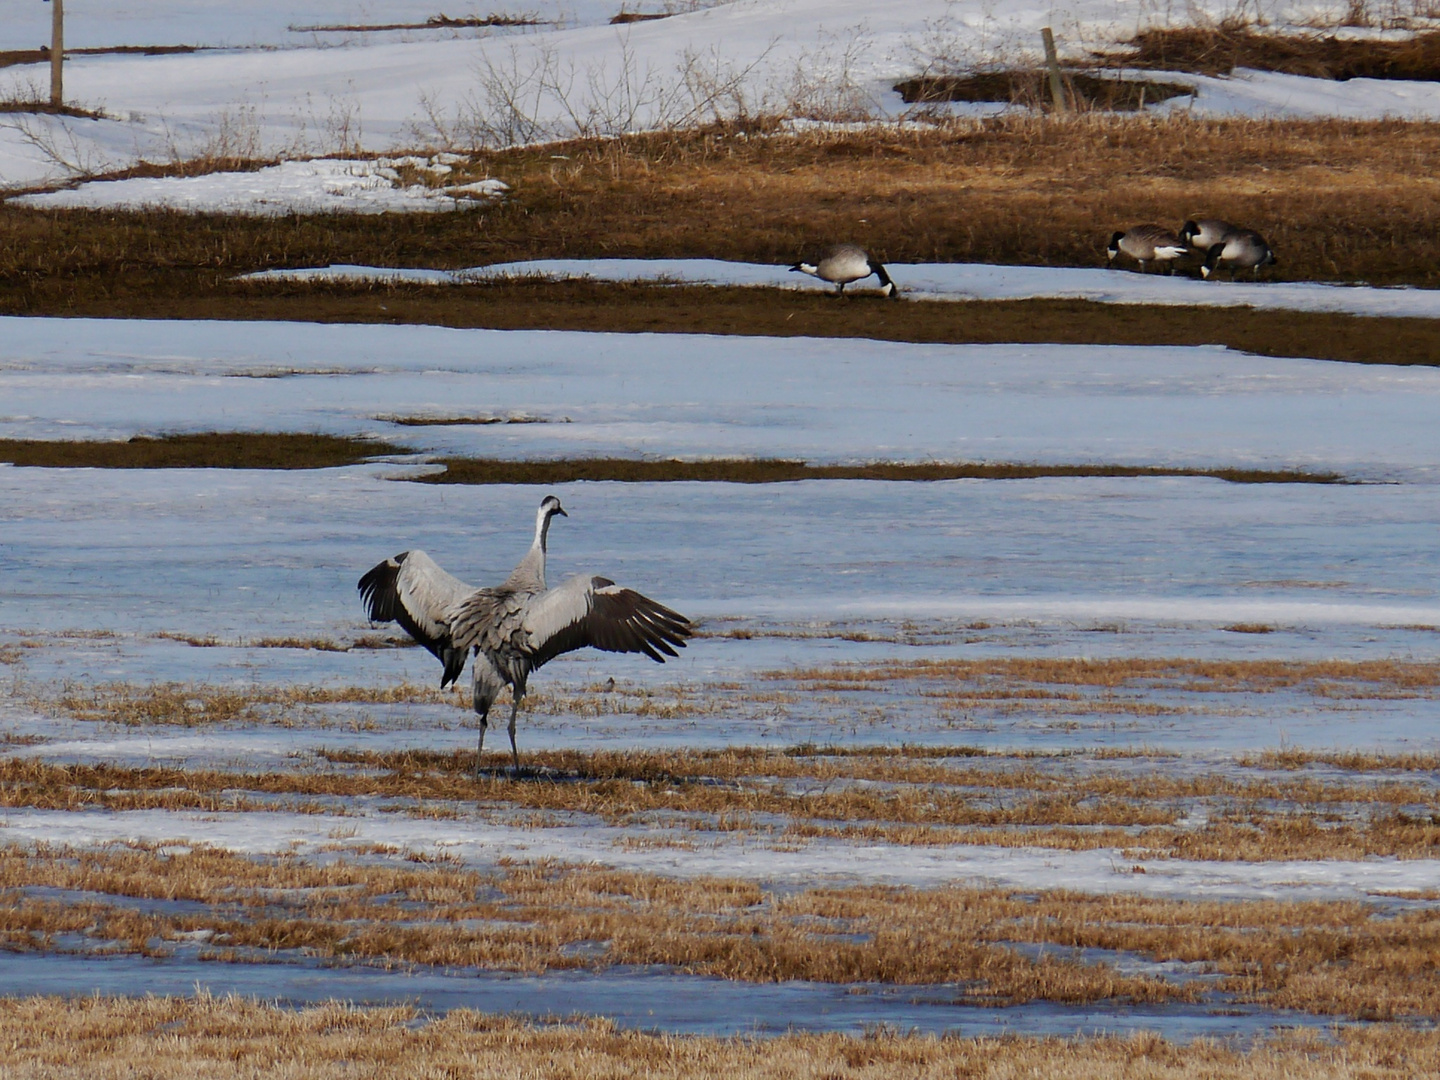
{"points": [[1332, 958], [638, 308], [1324, 678], [1221, 48], [235, 1039], [1032, 89], [261, 450], [1348, 760], [435, 22], [605, 794], [1339, 200], [904, 796], [11, 57], [771, 471], [209, 450], [48, 108]]}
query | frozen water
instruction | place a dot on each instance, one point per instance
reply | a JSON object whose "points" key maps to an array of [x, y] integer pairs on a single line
{"points": [[699, 396], [928, 281], [644, 999]]}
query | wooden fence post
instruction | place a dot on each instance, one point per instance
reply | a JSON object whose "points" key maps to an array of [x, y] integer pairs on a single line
{"points": [[57, 53], [1057, 85]]}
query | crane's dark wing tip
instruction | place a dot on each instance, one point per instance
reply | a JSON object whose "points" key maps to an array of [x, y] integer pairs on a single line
{"points": [[648, 627], [454, 661], [379, 589]]}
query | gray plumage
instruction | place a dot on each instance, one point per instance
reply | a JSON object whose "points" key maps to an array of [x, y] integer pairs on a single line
{"points": [[1146, 244], [1204, 234], [517, 626], [844, 263], [1243, 249]]}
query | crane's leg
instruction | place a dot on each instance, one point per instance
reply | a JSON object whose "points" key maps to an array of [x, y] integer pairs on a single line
{"points": [[514, 712], [480, 745]]}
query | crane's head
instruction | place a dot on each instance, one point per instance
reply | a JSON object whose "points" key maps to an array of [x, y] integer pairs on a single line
{"points": [[549, 507]]}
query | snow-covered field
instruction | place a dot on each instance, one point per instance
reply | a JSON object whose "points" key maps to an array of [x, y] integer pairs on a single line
{"points": [[309, 92], [920, 281], [96, 24]]}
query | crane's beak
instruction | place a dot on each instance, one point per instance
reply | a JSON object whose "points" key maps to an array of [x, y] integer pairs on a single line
{"points": [[561, 511]]}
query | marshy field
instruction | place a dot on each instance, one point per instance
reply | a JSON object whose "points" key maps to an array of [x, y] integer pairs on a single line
{"points": [[1063, 690]]}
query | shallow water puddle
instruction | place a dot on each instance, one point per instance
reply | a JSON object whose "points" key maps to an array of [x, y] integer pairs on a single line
{"points": [[633, 998]]}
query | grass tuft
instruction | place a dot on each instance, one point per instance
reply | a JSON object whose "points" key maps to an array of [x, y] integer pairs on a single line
{"points": [[208, 450], [1221, 48]]}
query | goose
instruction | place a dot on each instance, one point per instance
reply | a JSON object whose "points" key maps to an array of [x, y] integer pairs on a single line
{"points": [[518, 625], [1243, 249], [1204, 234], [845, 263], [1146, 242]]}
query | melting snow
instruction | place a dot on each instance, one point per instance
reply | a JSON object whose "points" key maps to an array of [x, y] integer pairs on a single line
{"points": [[321, 186], [929, 281], [326, 94]]}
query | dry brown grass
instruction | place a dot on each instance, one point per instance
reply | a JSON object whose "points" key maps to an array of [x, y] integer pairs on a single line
{"points": [[1324, 958], [316, 644], [1347, 679], [209, 450], [231, 1039], [1031, 89], [906, 795], [772, 471], [1348, 760], [11, 57], [259, 450], [192, 705], [1339, 200], [1219, 49], [435, 22]]}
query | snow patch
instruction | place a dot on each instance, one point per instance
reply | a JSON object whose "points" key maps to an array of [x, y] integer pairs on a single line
{"points": [[930, 281], [320, 186], [1098, 872]]}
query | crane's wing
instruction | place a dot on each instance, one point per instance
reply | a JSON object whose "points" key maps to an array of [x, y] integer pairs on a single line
{"points": [[412, 590], [595, 611]]}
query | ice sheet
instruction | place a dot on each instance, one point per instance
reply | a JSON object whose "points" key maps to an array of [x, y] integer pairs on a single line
{"points": [[697, 396], [1047, 567], [650, 999]]}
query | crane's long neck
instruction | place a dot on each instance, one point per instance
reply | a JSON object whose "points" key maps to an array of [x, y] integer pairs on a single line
{"points": [[531, 571], [542, 531]]}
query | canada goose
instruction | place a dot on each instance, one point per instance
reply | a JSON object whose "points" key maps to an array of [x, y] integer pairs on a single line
{"points": [[1243, 249], [845, 263], [1204, 234], [517, 626], [1146, 242]]}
